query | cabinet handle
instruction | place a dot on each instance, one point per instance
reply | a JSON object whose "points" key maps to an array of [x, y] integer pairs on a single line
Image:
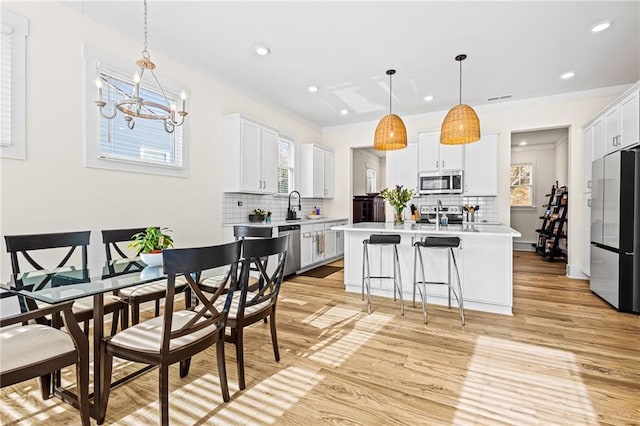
{"points": [[443, 164], [264, 184], [436, 164], [589, 184], [588, 203], [466, 188]]}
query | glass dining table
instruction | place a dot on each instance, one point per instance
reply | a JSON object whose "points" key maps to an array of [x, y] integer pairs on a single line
{"points": [[69, 283]]}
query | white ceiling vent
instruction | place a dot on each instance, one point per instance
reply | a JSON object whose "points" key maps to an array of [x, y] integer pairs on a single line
{"points": [[496, 98]]}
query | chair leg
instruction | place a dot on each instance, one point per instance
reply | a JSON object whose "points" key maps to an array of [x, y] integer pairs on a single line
{"points": [[157, 307], [85, 327], [115, 318], [135, 312], [423, 288], [106, 360], [184, 367], [364, 251], [459, 295], [449, 275], [415, 258], [397, 279], [45, 386], [163, 392], [125, 316], [274, 335], [222, 367], [240, 357], [82, 374]]}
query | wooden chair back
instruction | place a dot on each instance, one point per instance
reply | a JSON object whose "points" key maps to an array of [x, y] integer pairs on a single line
{"points": [[111, 238], [190, 263], [247, 231], [255, 254], [24, 244]]}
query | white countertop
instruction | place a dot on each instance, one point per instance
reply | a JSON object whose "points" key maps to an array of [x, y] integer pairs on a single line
{"points": [[302, 221], [420, 228]]}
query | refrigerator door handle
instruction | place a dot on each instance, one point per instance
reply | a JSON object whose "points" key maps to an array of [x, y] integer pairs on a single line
{"points": [[629, 254]]}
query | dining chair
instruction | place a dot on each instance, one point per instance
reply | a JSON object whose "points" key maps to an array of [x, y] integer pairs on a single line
{"points": [[255, 299], [135, 296], [37, 350], [51, 246], [177, 335]]}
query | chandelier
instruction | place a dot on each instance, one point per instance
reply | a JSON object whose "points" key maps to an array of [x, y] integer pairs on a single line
{"points": [[132, 105]]}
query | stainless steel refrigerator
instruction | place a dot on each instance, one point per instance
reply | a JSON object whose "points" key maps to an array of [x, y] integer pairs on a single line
{"points": [[615, 229]]}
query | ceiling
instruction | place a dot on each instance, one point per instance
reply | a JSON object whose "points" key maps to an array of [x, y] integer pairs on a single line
{"points": [[539, 137], [344, 48]]}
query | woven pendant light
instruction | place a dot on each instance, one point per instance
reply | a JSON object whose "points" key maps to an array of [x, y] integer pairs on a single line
{"points": [[461, 125], [390, 132]]}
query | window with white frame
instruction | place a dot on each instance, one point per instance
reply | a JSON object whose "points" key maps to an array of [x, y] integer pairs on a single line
{"points": [[521, 185], [286, 165], [111, 144], [13, 32]]}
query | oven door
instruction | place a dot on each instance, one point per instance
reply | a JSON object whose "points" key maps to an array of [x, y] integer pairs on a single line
{"points": [[435, 184]]}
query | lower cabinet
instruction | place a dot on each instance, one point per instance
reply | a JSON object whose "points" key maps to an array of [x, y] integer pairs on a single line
{"points": [[312, 251], [307, 238], [318, 249]]}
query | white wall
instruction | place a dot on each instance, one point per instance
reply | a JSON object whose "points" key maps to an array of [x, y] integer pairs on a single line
{"points": [[52, 191], [569, 110], [363, 160], [525, 219], [561, 156]]}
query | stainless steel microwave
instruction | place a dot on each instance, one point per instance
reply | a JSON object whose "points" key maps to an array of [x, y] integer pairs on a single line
{"points": [[449, 182]]}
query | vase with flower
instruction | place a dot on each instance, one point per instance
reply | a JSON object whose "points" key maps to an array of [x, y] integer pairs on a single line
{"points": [[398, 198]]}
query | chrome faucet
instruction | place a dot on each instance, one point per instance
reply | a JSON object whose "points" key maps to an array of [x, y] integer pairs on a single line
{"points": [[291, 214], [439, 209]]}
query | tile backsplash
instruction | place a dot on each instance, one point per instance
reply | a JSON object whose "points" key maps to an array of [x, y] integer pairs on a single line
{"points": [[277, 205], [488, 205]]}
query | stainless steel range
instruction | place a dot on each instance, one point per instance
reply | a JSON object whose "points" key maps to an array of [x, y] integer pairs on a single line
{"points": [[428, 213]]}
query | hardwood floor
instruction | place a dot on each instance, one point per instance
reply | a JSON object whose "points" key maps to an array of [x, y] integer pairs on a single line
{"points": [[564, 357]]}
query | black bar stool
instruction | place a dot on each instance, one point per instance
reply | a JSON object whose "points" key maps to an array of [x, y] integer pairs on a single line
{"points": [[446, 243], [382, 240]]}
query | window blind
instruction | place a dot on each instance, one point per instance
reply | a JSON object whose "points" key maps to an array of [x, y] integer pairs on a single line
{"points": [[6, 47], [147, 142], [285, 166]]}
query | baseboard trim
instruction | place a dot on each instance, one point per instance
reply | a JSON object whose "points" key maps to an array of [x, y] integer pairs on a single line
{"points": [[575, 272], [523, 246]]}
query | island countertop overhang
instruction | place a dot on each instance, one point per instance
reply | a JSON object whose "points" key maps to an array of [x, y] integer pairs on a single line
{"points": [[466, 229]]}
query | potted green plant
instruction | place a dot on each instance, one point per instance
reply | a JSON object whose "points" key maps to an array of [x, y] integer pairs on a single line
{"points": [[258, 215], [398, 198], [150, 243]]}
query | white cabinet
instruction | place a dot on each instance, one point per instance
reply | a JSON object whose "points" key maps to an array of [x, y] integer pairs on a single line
{"points": [[317, 172], [307, 238], [622, 123], [585, 264], [481, 167], [630, 119], [330, 239], [597, 140], [587, 143], [340, 240], [318, 252], [433, 156], [403, 167], [250, 156]]}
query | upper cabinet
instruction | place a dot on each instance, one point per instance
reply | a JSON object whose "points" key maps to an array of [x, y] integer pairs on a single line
{"points": [[622, 123], [317, 172], [587, 139], [434, 156], [481, 167], [250, 156], [597, 139], [403, 167]]}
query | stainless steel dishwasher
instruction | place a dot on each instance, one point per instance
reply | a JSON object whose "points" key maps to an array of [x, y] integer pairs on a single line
{"points": [[293, 250]]}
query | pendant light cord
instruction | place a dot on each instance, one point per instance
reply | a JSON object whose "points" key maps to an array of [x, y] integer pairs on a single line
{"points": [[460, 82], [145, 26], [390, 90]]}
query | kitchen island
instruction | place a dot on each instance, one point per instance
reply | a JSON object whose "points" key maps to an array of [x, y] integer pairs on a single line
{"points": [[485, 262]]}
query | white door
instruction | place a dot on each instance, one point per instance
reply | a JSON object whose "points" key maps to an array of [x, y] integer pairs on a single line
{"points": [[269, 161], [250, 157], [318, 173], [481, 167], [318, 249], [306, 245], [329, 174], [611, 208], [428, 152], [330, 238]]}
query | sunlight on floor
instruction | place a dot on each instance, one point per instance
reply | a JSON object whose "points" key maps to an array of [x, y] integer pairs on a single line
{"points": [[519, 383], [344, 332]]}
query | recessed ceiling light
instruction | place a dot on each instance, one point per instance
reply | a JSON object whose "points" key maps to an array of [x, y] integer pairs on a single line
{"points": [[312, 89], [523, 143], [344, 111], [567, 75], [262, 50], [428, 98], [601, 26]]}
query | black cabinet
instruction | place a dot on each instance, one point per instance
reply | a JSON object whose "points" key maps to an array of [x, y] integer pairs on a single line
{"points": [[368, 209]]}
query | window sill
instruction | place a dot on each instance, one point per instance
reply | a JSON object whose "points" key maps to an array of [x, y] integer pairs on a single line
{"points": [[524, 207]]}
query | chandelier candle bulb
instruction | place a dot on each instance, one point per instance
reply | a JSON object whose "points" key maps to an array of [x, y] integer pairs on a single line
{"points": [[183, 96]]}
